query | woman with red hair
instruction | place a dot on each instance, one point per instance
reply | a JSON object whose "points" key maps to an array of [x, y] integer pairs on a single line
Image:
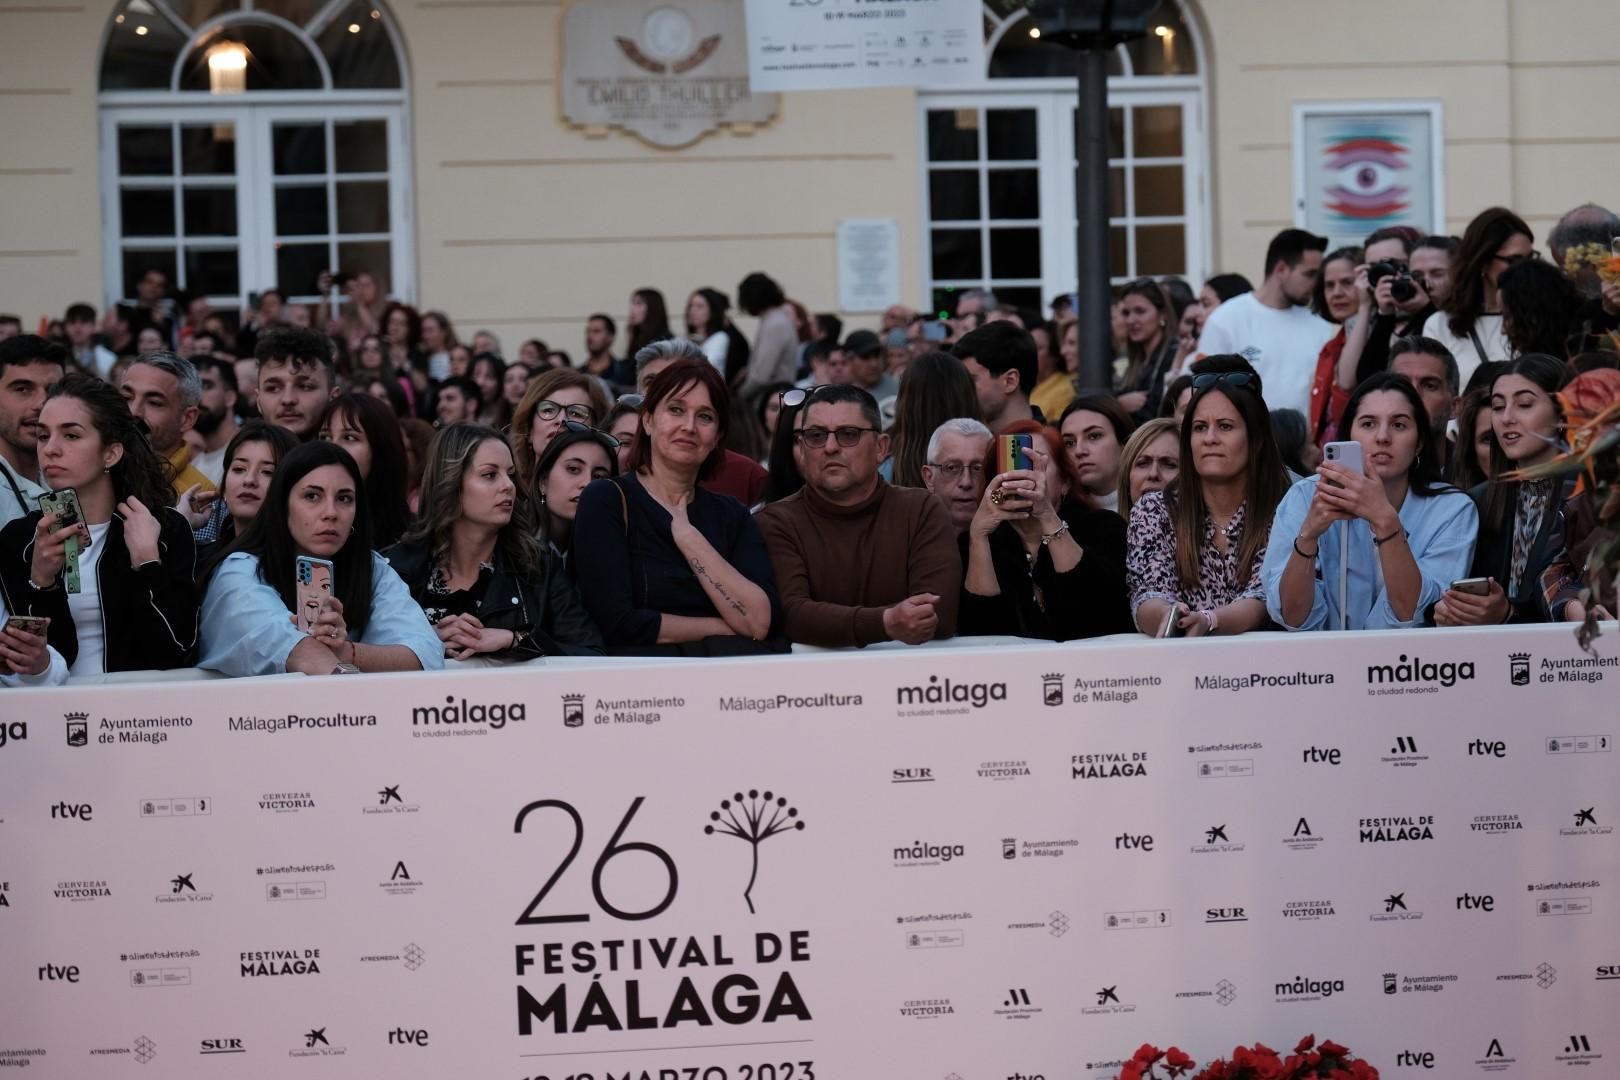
{"points": [[1043, 561]]}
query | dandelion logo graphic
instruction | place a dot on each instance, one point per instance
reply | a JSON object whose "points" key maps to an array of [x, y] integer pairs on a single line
{"points": [[755, 819]]}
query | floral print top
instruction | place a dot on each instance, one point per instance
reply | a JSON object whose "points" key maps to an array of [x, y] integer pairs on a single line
{"points": [[1150, 560]]}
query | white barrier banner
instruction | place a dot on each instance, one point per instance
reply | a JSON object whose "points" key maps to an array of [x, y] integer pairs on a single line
{"points": [[840, 44], [969, 863]]}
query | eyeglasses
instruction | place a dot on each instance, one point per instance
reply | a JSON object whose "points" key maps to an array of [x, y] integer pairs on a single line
{"points": [[952, 471], [602, 437], [792, 399], [550, 410], [1230, 378], [816, 437]]}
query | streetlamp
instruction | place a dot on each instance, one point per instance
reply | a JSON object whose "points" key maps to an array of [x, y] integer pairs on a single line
{"points": [[1092, 28]]}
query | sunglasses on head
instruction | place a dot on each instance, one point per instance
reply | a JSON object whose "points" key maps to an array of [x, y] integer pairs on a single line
{"points": [[633, 401], [1230, 378], [608, 441], [792, 399]]}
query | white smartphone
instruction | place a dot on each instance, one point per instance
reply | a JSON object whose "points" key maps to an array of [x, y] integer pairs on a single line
{"points": [[1347, 454]]}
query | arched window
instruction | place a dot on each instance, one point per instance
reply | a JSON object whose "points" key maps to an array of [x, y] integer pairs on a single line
{"points": [[251, 144], [999, 159]]}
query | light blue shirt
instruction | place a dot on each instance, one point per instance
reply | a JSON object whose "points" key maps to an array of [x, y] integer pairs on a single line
{"points": [[247, 629], [1440, 531]]}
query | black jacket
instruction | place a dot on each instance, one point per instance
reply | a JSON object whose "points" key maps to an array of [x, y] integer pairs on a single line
{"points": [[1493, 554], [548, 610], [149, 615], [1089, 600]]}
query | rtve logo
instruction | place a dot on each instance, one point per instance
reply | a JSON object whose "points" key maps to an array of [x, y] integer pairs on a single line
{"points": [[66, 811], [1315, 755], [52, 973], [1469, 902], [1483, 748], [408, 1037], [1133, 842], [1417, 1059]]}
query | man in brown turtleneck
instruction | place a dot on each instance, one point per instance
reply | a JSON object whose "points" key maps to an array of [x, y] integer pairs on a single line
{"points": [[858, 561]]}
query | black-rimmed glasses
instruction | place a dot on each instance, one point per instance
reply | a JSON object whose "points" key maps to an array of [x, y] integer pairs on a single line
{"points": [[816, 437], [952, 471], [550, 410]]}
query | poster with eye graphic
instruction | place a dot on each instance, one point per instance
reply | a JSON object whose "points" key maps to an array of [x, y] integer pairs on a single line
{"points": [[1359, 167]]}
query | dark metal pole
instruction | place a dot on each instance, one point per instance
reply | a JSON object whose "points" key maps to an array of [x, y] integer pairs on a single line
{"points": [[1094, 298]]}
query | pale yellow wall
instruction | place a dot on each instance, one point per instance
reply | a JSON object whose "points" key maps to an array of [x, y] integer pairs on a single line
{"points": [[1531, 91], [526, 226]]}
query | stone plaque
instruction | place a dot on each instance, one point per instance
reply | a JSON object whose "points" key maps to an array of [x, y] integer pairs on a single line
{"points": [[668, 71]]}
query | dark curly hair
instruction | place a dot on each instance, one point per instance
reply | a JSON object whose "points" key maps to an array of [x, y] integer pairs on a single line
{"points": [[141, 472]]}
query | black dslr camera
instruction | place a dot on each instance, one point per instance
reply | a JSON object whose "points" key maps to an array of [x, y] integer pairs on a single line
{"points": [[1402, 288]]}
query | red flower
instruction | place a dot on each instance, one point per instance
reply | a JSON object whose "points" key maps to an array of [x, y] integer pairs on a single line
{"points": [[1147, 1054], [1177, 1060], [1331, 1047], [1131, 1071], [1305, 1044]]}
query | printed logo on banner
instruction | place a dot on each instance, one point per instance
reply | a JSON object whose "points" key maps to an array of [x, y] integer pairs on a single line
{"points": [[1055, 924], [66, 811], [1018, 1005], [275, 725], [919, 774], [143, 1050], [1216, 915], [68, 973], [573, 710], [1415, 1059], [1569, 669], [78, 728], [157, 968], [1496, 824], [1395, 909], [1153, 919], [275, 963], [173, 806], [417, 1037], [943, 697], [1108, 1002], [634, 711], [1487, 748], [1580, 744], [1104, 1070], [921, 853], [1404, 753], [1519, 669], [212, 1047], [1303, 838], [1414, 675], [1308, 910], [411, 957], [1224, 682], [5, 893], [1223, 766], [1572, 901], [1133, 842], [1224, 993], [150, 730], [935, 939], [754, 820], [1419, 984], [390, 801], [1495, 1059], [1302, 989], [316, 1044], [1052, 689], [1218, 841], [1106, 689], [82, 892], [1586, 824], [400, 881], [1318, 755], [1578, 1050], [1109, 765], [1544, 976], [934, 917], [999, 771], [797, 703], [1037, 849], [1608, 973], [183, 890], [1395, 830], [304, 887], [1472, 902], [927, 1008], [463, 717], [13, 731], [286, 802]]}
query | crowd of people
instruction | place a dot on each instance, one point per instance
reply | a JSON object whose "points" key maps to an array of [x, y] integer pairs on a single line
{"points": [[349, 487]]}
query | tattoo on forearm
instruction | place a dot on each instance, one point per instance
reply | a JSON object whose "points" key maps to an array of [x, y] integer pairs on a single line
{"points": [[736, 605]]}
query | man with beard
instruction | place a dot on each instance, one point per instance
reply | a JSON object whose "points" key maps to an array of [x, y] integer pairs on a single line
{"points": [[28, 364], [217, 422]]}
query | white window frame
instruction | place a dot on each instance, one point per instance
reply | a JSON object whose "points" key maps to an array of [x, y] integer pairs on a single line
{"points": [[1053, 98], [253, 113]]}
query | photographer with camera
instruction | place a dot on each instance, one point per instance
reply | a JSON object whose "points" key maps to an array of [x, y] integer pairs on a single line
{"points": [[1401, 304]]}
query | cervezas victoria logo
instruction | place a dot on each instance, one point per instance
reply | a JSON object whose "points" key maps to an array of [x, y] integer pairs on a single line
{"points": [[286, 802]]}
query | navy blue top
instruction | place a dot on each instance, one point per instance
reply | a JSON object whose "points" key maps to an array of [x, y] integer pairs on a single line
{"points": [[631, 573]]}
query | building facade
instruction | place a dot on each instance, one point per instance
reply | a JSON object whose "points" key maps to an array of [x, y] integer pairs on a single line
{"points": [[245, 144]]}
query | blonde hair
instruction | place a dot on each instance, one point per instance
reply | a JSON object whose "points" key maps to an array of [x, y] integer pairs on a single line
{"points": [[1135, 446]]}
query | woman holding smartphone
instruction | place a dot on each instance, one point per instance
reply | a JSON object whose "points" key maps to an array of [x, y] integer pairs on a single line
{"points": [[316, 508], [1195, 549], [125, 601], [1521, 523], [1410, 535], [1042, 560], [249, 465]]}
